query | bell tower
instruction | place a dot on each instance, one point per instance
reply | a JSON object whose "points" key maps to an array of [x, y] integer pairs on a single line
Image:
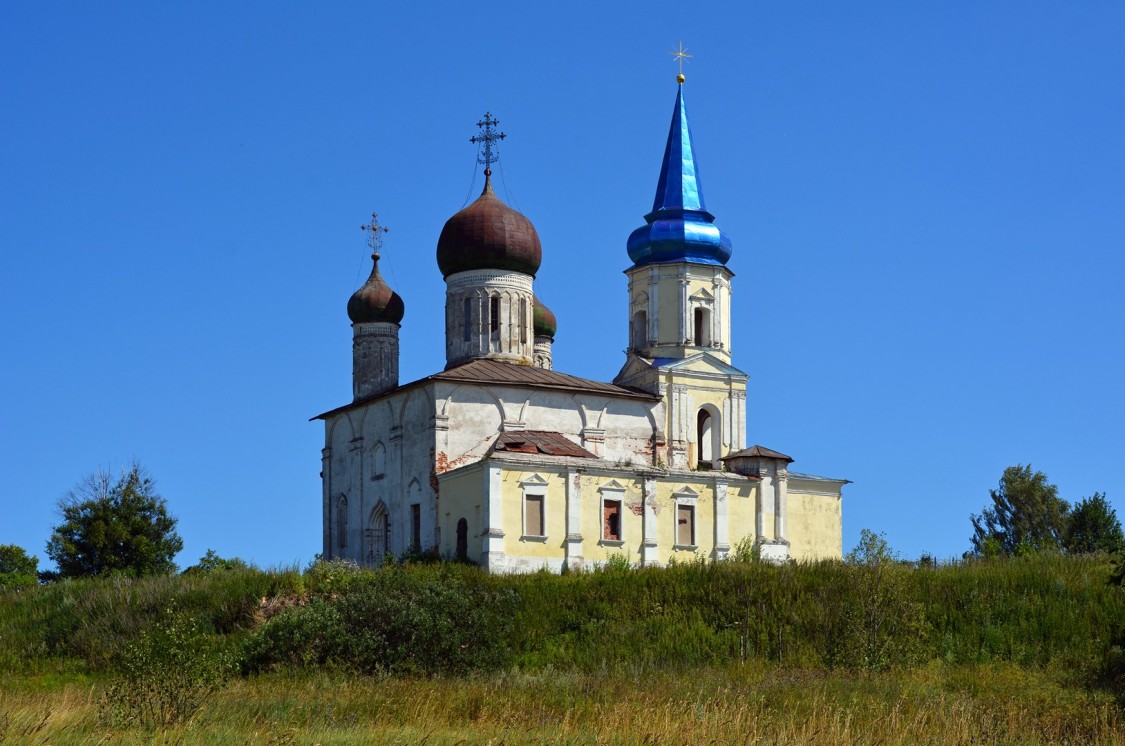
{"points": [[680, 311]]}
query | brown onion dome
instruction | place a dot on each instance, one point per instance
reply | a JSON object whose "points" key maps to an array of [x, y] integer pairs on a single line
{"points": [[488, 235], [543, 322], [375, 301]]}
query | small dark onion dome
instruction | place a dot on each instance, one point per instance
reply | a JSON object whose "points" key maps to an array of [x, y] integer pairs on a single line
{"points": [[488, 235], [543, 322], [375, 301]]}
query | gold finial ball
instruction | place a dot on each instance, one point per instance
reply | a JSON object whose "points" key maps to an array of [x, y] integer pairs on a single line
{"points": [[680, 78]]}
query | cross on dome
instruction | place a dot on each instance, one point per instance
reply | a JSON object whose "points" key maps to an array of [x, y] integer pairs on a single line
{"points": [[374, 233], [488, 136]]}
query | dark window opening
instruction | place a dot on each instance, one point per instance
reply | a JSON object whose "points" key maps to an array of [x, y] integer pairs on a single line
{"points": [[416, 527], [468, 311], [611, 520], [462, 539], [494, 314], [704, 440]]}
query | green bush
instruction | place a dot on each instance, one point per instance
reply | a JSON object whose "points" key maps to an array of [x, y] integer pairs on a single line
{"points": [[401, 619], [166, 674]]}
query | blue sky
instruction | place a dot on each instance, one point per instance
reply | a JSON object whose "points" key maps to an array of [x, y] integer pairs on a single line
{"points": [[926, 201]]}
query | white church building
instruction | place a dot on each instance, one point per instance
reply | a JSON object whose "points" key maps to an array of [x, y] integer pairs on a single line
{"points": [[501, 460]]}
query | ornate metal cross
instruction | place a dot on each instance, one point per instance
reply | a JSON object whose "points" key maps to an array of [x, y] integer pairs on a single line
{"points": [[374, 233], [488, 135]]}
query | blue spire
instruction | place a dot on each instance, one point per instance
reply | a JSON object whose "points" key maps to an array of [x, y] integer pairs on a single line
{"points": [[679, 228], [679, 187]]}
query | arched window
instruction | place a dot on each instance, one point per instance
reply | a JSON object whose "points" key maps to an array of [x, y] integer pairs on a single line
{"points": [[342, 523], [378, 534], [494, 314], [708, 443], [640, 330], [467, 310], [379, 462]]}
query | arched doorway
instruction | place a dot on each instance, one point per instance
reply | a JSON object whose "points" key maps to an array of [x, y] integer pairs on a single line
{"points": [[378, 534]]}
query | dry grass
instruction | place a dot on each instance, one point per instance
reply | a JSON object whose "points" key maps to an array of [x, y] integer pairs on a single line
{"points": [[751, 705]]}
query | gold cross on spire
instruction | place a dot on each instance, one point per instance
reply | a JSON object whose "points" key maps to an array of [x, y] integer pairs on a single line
{"points": [[374, 233], [680, 55]]}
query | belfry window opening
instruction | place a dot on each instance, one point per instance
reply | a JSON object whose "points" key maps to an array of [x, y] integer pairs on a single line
{"points": [[702, 327], [706, 430], [640, 330]]}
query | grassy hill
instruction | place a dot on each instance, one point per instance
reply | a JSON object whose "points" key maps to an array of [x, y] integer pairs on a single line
{"points": [[1022, 650]]}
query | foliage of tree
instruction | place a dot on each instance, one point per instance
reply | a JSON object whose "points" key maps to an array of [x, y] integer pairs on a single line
{"points": [[1093, 527], [1027, 515], [109, 527], [17, 568], [212, 562], [885, 626]]}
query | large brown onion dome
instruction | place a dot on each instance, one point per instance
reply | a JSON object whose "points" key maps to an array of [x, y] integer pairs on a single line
{"points": [[375, 301], [543, 323], [488, 235]]}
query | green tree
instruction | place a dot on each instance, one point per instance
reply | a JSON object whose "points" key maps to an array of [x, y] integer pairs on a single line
{"points": [[1027, 515], [1093, 527], [212, 562], [114, 527], [882, 625], [17, 568]]}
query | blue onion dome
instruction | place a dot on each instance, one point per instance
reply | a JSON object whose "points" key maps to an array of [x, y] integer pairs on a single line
{"points": [[488, 235], [679, 228], [375, 301], [543, 323]]}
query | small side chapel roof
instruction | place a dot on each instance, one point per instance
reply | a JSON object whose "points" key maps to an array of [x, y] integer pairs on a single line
{"points": [[539, 441], [757, 452]]}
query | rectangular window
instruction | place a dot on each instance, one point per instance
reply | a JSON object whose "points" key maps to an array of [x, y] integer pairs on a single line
{"points": [[611, 520], [533, 515], [416, 527], [468, 312], [685, 525], [494, 314]]}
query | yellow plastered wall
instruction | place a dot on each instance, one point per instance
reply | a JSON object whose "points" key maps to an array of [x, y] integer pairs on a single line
{"points": [[632, 522], [742, 500], [462, 496], [815, 526], [666, 522], [554, 513]]}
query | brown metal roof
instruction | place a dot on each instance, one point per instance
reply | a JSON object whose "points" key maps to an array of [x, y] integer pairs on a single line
{"points": [[539, 441], [483, 370], [757, 452]]}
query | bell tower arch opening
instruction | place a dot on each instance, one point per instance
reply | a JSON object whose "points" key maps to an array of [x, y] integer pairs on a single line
{"points": [[708, 437]]}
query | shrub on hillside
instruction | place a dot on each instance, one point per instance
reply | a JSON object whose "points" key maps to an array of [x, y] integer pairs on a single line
{"points": [[395, 620], [166, 674]]}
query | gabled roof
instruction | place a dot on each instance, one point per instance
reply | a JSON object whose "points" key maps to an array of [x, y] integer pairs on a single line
{"points": [[539, 441], [757, 452], [496, 373], [675, 363], [486, 371]]}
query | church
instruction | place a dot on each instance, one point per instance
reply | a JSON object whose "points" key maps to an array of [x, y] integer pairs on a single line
{"points": [[502, 460]]}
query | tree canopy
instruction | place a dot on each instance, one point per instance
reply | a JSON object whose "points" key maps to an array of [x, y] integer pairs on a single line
{"points": [[1093, 527], [109, 526], [17, 568], [1026, 515]]}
